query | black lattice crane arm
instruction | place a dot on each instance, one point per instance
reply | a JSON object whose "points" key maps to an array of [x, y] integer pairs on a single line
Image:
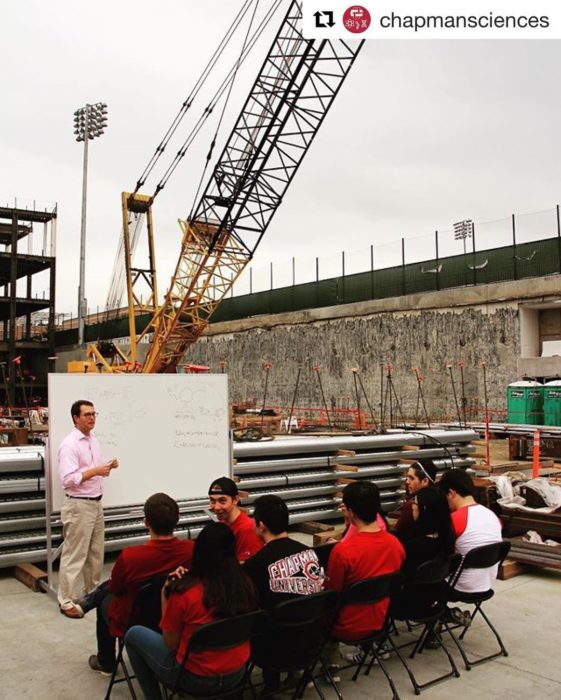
{"points": [[287, 104]]}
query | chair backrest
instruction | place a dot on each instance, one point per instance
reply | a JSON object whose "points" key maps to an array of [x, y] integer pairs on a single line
{"points": [[147, 606], [370, 590], [431, 572], [323, 552], [483, 557], [298, 630], [454, 561], [225, 634], [221, 635]]}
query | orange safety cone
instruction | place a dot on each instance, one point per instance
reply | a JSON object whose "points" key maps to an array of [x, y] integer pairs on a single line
{"points": [[536, 456]]}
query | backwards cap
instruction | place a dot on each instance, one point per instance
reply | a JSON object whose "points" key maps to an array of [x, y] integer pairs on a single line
{"points": [[223, 487]]}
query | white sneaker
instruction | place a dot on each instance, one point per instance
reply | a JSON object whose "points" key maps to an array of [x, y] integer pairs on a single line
{"points": [[355, 656]]}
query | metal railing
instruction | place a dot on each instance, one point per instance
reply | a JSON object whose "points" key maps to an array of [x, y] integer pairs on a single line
{"points": [[431, 254]]}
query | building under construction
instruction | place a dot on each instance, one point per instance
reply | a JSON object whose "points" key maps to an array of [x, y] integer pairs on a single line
{"points": [[27, 304]]}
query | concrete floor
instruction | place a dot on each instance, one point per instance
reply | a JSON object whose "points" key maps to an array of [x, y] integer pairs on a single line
{"points": [[44, 655]]}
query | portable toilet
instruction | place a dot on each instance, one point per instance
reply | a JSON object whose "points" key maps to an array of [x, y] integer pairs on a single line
{"points": [[552, 403], [525, 402]]}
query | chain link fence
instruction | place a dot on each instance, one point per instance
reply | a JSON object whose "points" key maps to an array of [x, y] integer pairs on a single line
{"points": [[516, 247]]}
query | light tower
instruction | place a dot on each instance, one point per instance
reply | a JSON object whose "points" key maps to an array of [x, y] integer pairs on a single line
{"points": [[89, 122]]}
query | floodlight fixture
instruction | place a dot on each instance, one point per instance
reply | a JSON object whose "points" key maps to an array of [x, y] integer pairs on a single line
{"points": [[462, 230], [89, 123]]}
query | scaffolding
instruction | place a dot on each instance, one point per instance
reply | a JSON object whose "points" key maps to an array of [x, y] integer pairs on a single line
{"points": [[27, 305]]}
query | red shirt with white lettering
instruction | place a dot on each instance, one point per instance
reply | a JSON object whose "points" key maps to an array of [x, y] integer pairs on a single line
{"points": [[247, 541], [184, 613], [362, 556]]}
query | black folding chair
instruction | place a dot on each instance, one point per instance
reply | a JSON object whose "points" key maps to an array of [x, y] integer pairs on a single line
{"points": [[478, 558], [427, 586], [147, 611], [367, 593], [294, 637], [323, 552], [221, 635]]}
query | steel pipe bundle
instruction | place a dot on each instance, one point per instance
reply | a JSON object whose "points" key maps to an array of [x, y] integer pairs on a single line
{"points": [[305, 471]]}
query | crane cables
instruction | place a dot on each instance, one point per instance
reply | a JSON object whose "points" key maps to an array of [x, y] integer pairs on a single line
{"points": [[224, 106], [116, 289], [224, 86], [161, 147]]}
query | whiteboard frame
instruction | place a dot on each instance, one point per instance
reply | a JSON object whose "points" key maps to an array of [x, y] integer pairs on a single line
{"points": [[212, 393]]}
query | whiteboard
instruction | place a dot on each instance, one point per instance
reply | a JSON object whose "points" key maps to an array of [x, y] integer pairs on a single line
{"points": [[168, 431]]}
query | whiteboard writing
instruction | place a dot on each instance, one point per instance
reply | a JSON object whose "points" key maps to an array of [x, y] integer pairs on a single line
{"points": [[169, 432]]}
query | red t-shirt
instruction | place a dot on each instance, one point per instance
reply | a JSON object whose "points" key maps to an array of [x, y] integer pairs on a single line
{"points": [[362, 556], [134, 567], [247, 541], [183, 614]]}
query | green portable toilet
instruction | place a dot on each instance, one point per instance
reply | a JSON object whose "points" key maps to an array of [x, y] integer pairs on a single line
{"points": [[552, 403], [525, 402]]}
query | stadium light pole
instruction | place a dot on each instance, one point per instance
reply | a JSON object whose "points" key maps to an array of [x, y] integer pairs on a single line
{"points": [[89, 123], [463, 230]]}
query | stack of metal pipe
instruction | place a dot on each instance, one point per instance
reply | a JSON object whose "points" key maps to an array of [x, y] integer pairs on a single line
{"points": [[309, 473]]}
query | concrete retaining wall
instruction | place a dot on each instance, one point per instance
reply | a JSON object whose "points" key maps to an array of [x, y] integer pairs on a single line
{"points": [[427, 331]]}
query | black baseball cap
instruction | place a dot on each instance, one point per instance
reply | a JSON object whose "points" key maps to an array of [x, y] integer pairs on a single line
{"points": [[223, 487]]}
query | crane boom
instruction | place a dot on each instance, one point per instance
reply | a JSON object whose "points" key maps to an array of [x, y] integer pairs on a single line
{"points": [[287, 104]]}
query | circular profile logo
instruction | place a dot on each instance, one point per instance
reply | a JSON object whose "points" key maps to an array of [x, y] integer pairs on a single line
{"points": [[356, 19]]}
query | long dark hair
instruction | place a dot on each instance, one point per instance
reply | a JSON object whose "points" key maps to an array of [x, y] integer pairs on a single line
{"points": [[434, 517], [228, 591]]}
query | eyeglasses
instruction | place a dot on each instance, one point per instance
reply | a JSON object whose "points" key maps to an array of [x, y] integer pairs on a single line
{"points": [[90, 414]]}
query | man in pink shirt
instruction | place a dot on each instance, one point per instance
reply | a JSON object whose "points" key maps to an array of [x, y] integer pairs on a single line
{"points": [[82, 470]]}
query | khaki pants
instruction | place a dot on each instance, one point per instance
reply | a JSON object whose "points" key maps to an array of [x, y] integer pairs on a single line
{"points": [[82, 551]]}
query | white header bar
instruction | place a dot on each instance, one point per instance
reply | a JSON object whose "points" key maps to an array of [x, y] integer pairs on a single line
{"points": [[432, 19]]}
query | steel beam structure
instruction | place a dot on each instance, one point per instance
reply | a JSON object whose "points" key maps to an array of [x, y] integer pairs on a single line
{"points": [[286, 106]]}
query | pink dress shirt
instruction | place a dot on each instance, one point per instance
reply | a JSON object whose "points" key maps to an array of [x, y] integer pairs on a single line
{"points": [[78, 452]]}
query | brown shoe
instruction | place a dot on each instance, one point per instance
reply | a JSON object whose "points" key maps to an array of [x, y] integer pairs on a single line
{"points": [[73, 611]]}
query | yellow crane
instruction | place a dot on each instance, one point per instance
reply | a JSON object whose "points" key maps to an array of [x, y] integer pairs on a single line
{"points": [[291, 95]]}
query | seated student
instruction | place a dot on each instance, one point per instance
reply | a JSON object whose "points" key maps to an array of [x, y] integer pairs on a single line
{"points": [[370, 552], [474, 526], [434, 539], [282, 570], [216, 587], [135, 565], [420, 475], [351, 530], [224, 503]]}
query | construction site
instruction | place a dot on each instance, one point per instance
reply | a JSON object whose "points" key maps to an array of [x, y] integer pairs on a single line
{"points": [[445, 350]]}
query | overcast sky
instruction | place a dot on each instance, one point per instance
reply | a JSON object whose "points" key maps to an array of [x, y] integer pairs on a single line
{"points": [[423, 134]]}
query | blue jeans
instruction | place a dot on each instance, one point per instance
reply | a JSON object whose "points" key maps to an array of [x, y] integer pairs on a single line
{"points": [[98, 599], [153, 663]]}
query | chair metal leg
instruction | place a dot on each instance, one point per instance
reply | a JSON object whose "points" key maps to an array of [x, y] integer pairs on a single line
{"points": [[361, 663], [420, 645], [418, 687], [395, 695], [504, 652], [127, 676], [330, 679], [456, 641], [409, 671], [469, 663]]}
